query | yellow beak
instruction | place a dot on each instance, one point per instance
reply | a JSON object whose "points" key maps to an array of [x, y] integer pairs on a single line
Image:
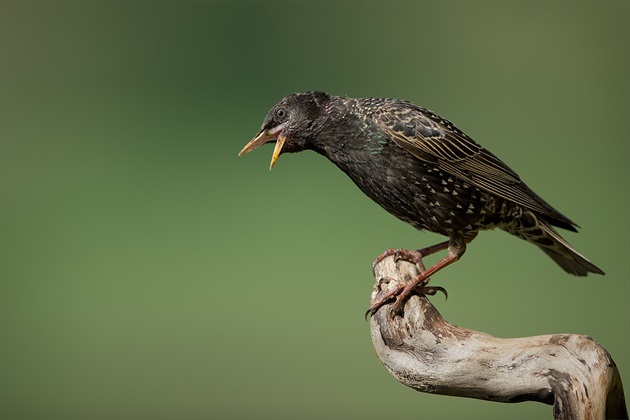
{"points": [[265, 136], [276, 150]]}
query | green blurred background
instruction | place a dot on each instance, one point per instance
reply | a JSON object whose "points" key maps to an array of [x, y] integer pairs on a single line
{"points": [[149, 273]]}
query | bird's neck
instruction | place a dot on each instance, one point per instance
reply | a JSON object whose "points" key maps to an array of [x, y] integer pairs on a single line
{"points": [[345, 137]]}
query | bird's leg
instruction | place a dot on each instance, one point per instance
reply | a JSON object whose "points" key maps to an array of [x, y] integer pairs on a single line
{"points": [[456, 248]]}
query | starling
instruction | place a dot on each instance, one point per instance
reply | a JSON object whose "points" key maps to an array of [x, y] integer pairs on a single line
{"points": [[423, 170]]}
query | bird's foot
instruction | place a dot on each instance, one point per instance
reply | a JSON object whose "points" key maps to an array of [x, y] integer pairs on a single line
{"points": [[414, 257], [416, 285], [402, 292]]}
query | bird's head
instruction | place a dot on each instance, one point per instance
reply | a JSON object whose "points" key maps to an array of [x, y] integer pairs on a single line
{"points": [[289, 124]]}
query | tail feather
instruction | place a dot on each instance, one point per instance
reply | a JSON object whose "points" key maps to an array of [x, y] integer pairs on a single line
{"points": [[565, 255], [541, 233]]}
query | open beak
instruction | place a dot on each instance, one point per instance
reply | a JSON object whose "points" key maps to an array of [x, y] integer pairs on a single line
{"points": [[266, 136]]}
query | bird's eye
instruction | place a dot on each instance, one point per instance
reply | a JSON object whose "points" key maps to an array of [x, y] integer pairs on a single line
{"points": [[280, 113]]}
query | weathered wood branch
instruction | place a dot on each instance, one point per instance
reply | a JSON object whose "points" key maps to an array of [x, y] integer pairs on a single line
{"points": [[420, 349]]}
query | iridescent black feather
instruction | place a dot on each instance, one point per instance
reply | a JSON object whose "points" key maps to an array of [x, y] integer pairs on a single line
{"points": [[422, 169]]}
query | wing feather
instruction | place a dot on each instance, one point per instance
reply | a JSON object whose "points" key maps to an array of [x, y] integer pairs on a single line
{"points": [[433, 139]]}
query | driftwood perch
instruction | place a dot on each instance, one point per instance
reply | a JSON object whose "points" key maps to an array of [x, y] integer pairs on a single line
{"points": [[571, 372]]}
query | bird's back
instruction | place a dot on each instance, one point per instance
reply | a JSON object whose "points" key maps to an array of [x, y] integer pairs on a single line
{"points": [[437, 141]]}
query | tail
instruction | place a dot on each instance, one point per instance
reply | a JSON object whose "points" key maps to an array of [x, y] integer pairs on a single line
{"points": [[540, 232]]}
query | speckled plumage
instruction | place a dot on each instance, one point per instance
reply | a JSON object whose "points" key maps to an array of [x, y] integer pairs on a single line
{"points": [[420, 168]]}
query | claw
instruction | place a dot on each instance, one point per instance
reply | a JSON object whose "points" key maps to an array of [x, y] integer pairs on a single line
{"points": [[397, 295], [384, 254], [431, 291], [365, 315], [375, 307]]}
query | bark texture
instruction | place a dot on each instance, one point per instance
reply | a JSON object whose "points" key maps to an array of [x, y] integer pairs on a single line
{"points": [[423, 351]]}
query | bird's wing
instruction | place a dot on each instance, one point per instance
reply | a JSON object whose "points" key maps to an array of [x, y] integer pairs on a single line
{"points": [[433, 139]]}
